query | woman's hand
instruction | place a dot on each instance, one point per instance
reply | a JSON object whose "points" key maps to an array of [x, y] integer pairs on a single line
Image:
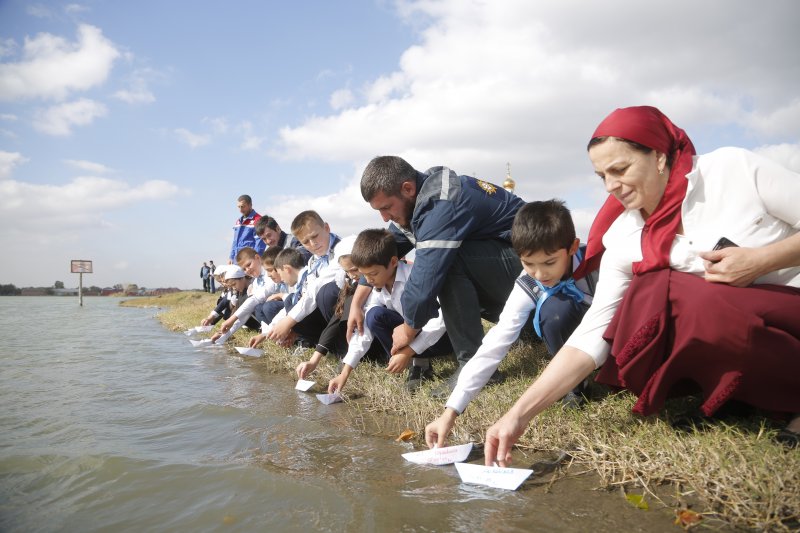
{"points": [[500, 439], [735, 266]]}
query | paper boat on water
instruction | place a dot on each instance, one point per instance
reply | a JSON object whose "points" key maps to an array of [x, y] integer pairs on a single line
{"points": [[198, 329], [304, 384], [440, 456], [493, 476], [201, 343], [328, 399], [250, 352]]}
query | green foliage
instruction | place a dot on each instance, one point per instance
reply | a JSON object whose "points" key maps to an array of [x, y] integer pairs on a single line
{"points": [[9, 290]]}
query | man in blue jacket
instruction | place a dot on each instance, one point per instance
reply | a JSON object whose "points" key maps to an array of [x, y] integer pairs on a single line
{"points": [[244, 229], [460, 228]]}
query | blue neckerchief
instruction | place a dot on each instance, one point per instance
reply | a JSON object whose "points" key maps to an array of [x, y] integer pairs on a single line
{"points": [[567, 287]]}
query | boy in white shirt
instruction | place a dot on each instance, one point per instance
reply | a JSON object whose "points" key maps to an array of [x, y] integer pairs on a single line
{"points": [[375, 255], [543, 235], [260, 290], [319, 283]]}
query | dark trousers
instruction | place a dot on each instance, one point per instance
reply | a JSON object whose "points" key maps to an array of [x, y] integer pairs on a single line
{"points": [[477, 286], [381, 321], [267, 311], [311, 327], [558, 318]]}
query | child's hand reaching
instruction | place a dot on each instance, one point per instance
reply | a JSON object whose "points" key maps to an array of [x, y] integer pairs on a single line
{"points": [[337, 384], [255, 341], [399, 362], [304, 369]]}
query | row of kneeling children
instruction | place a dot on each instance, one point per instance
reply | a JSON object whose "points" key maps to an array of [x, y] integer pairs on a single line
{"points": [[302, 297]]}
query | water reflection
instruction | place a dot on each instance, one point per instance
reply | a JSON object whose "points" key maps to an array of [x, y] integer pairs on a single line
{"points": [[110, 422]]}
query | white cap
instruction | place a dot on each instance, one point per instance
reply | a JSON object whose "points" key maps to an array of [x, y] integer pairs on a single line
{"points": [[234, 272], [344, 247]]}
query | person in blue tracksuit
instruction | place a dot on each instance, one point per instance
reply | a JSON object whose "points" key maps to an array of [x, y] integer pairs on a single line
{"points": [[244, 229], [460, 228]]}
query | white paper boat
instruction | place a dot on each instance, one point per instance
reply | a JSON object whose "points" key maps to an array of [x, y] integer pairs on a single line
{"points": [[250, 352], [225, 337], [328, 399], [304, 384], [190, 332], [201, 343], [440, 456], [493, 476], [203, 329]]}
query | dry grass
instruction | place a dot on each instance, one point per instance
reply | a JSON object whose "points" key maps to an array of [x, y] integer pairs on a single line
{"points": [[732, 472]]}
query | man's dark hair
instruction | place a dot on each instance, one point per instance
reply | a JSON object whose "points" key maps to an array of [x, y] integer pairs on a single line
{"points": [[245, 198], [386, 174], [268, 256], [542, 226], [373, 247], [265, 222], [291, 257]]}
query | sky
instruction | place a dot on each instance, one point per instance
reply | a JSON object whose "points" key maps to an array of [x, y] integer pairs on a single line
{"points": [[129, 129]]}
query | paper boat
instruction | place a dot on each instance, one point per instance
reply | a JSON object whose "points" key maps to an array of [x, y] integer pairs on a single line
{"points": [[203, 329], [304, 385], [201, 343], [440, 456], [328, 399], [250, 352], [493, 476]]}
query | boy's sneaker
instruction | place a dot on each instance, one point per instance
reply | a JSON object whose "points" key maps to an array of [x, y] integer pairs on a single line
{"points": [[420, 371]]}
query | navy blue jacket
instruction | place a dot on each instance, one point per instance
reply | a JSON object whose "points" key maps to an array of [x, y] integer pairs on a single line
{"points": [[449, 209]]}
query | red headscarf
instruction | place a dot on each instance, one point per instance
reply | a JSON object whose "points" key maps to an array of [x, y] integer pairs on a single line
{"points": [[649, 127]]}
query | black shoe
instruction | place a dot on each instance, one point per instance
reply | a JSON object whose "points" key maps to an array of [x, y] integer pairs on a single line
{"points": [[788, 438], [420, 371]]}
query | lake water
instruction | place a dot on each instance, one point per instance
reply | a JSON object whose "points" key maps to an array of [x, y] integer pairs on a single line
{"points": [[109, 422]]}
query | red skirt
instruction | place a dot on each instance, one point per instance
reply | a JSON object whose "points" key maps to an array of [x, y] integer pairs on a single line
{"points": [[675, 332]]}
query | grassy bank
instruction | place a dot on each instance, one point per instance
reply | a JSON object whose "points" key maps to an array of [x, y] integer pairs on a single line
{"points": [[730, 471]]}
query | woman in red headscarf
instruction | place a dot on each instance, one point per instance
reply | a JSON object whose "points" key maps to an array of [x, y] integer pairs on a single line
{"points": [[699, 281]]}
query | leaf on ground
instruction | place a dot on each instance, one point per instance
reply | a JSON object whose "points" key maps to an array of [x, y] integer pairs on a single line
{"points": [[687, 518], [406, 436], [637, 500]]}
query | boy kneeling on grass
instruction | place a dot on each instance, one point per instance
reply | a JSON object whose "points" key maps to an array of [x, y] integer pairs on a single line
{"points": [[543, 235], [375, 255]]}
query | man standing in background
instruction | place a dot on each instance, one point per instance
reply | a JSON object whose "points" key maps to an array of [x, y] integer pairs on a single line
{"points": [[204, 276], [212, 285], [244, 230]]}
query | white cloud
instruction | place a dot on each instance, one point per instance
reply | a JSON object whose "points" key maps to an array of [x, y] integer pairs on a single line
{"points": [[51, 67], [88, 166], [81, 203], [341, 99], [39, 11], [219, 125], [194, 140], [9, 161], [75, 8], [59, 119], [8, 117], [135, 95], [250, 141], [8, 47], [786, 154], [527, 82]]}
